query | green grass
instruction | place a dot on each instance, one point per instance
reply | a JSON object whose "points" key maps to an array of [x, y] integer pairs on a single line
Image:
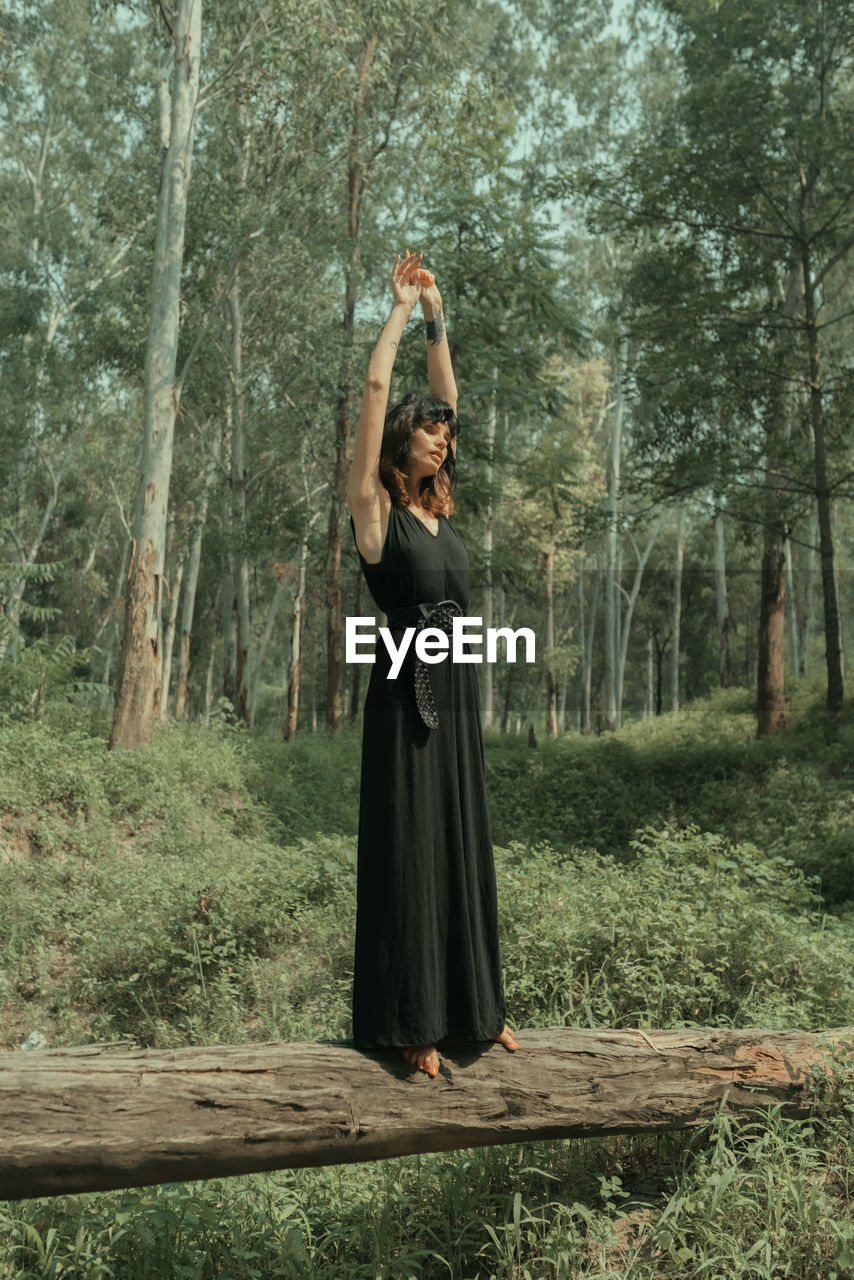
{"points": [[766, 1197], [203, 892], [791, 795]]}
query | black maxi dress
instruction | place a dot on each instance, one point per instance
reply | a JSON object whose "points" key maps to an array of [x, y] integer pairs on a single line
{"points": [[427, 964]]}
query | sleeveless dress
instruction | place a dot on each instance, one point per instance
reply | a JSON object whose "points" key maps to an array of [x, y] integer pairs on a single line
{"points": [[427, 964]]}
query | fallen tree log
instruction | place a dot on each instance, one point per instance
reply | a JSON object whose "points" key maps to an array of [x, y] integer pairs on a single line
{"points": [[96, 1117]]}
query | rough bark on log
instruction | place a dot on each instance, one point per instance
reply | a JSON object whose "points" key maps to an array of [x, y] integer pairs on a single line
{"points": [[95, 1117]]}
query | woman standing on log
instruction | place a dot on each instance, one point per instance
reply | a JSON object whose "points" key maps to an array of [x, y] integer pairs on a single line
{"points": [[427, 963]]}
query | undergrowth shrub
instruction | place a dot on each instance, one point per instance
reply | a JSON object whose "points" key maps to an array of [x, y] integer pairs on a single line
{"points": [[155, 896], [311, 783], [694, 931], [791, 795]]}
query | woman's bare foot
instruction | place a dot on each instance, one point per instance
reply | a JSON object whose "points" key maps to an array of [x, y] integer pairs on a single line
{"points": [[507, 1038], [423, 1056]]}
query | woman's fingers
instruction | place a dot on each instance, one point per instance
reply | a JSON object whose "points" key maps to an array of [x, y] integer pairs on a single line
{"points": [[403, 266], [406, 272]]}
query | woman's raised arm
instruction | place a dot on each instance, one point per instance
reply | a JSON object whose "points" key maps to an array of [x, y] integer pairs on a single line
{"points": [[364, 480], [440, 374]]}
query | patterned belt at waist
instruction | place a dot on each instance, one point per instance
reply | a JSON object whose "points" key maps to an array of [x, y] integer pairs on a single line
{"points": [[420, 616]]}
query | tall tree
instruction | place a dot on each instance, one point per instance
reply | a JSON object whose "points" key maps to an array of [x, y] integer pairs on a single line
{"points": [[62, 257], [139, 687], [747, 180]]}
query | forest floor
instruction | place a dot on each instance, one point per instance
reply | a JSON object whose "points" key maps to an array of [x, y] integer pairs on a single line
{"points": [[679, 872]]}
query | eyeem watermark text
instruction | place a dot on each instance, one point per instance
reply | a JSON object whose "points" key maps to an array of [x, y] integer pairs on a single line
{"points": [[432, 644]]}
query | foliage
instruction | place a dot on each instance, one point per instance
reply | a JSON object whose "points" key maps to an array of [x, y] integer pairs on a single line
{"points": [[155, 896], [790, 795], [31, 674], [43, 670], [688, 933], [311, 783]]}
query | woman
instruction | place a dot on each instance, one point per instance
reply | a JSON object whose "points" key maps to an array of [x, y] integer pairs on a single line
{"points": [[427, 963]]}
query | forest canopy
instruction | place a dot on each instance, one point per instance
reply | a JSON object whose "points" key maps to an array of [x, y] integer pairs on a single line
{"points": [[640, 220]]}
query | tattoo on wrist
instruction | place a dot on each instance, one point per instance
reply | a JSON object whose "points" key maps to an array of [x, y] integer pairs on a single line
{"points": [[393, 345], [435, 329]]}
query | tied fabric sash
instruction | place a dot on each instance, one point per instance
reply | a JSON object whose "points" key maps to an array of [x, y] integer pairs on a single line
{"points": [[420, 616]]}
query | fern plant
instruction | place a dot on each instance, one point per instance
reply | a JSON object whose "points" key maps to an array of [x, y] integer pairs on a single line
{"points": [[32, 673]]}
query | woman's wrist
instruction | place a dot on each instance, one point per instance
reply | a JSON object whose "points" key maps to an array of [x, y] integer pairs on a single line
{"points": [[402, 307]]}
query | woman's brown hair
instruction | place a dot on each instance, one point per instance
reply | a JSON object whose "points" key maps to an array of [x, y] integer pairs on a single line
{"points": [[401, 420]]}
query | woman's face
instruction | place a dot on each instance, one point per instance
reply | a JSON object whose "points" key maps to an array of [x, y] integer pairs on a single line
{"points": [[428, 448]]}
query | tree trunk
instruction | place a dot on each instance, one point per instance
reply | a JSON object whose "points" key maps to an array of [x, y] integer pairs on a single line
{"points": [[264, 644], [297, 611], [792, 611], [93, 1117], [650, 675], [228, 612], [209, 681], [355, 682], [613, 610], [169, 642], [583, 672], [587, 646], [548, 561], [338, 488], [487, 683], [240, 556], [112, 618], [509, 679], [722, 602], [182, 691], [771, 696], [677, 609], [631, 601], [561, 707], [660, 650], [806, 611], [138, 693], [832, 626], [771, 703]]}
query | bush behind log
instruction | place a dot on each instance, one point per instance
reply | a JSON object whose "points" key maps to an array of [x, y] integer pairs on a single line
{"points": [[152, 896], [155, 896]]}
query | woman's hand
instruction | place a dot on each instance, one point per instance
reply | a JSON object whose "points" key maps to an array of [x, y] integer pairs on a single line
{"points": [[405, 284], [431, 299]]}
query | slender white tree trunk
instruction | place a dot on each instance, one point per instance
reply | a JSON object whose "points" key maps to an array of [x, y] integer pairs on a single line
{"points": [[587, 645], [169, 640], [722, 601], [677, 606], [488, 532], [182, 689], [266, 636], [113, 619], [139, 686], [295, 663], [229, 572], [650, 676], [791, 611], [612, 582], [631, 601], [240, 554], [209, 683], [806, 612], [548, 563]]}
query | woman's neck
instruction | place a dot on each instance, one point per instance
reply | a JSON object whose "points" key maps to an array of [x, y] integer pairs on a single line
{"points": [[413, 493]]}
